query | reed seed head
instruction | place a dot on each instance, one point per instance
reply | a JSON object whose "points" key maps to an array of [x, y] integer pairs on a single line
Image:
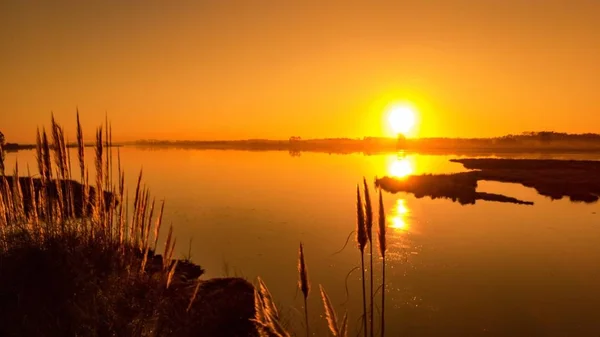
{"points": [[368, 212], [382, 227], [361, 230], [303, 283]]}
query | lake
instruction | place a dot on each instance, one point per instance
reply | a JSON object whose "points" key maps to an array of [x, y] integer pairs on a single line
{"points": [[490, 269]]}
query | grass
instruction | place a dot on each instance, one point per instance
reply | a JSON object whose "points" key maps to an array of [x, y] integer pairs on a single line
{"points": [[75, 260], [303, 284], [382, 251], [361, 240], [369, 229]]}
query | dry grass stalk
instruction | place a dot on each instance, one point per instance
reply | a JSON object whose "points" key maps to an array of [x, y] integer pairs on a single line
{"points": [[303, 284], [329, 313], [193, 298], [157, 226], [107, 179], [267, 299], [166, 250], [171, 273], [3, 223], [266, 317], [8, 201], [82, 168], [70, 191], [258, 307], [56, 145], [369, 228], [336, 329], [38, 153], [19, 211], [126, 221], [361, 238], [110, 152], [46, 156], [146, 244], [80, 149], [136, 206], [142, 216], [33, 217], [1, 159], [382, 250], [172, 249], [121, 216]]}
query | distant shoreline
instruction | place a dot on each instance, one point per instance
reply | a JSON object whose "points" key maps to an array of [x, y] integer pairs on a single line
{"points": [[542, 142], [11, 147]]}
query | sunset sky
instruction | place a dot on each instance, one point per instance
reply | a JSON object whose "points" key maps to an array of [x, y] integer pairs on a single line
{"points": [[274, 69]]}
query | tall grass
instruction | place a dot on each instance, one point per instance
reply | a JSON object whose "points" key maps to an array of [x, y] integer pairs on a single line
{"points": [[95, 255], [336, 328], [52, 195], [1, 158], [361, 240], [382, 250], [369, 228], [303, 284]]}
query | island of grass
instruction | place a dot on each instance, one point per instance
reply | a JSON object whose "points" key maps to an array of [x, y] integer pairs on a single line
{"points": [[578, 180]]}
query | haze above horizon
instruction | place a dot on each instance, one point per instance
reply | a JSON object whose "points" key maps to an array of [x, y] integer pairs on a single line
{"points": [[208, 70]]}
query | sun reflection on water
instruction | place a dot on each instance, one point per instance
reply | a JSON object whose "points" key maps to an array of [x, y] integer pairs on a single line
{"points": [[400, 167], [399, 216]]}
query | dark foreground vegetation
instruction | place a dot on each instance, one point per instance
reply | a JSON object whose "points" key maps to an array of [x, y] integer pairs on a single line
{"points": [[577, 180], [74, 262], [68, 285]]}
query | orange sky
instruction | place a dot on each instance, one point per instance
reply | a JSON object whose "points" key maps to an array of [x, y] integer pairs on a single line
{"points": [[272, 69]]}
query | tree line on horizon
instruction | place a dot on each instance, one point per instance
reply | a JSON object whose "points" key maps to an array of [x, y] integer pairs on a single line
{"points": [[541, 136]]}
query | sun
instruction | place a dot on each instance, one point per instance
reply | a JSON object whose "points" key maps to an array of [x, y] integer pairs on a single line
{"points": [[402, 119]]}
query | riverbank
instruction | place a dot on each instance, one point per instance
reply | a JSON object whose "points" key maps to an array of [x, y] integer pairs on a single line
{"points": [[66, 285]]}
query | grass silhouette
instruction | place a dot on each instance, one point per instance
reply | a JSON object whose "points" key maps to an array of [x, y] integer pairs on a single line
{"points": [[76, 261]]}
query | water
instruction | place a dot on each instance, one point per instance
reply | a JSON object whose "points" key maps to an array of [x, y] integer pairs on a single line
{"points": [[489, 269]]}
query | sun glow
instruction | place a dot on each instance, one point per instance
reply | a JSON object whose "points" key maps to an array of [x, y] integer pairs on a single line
{"points": [[402, 119]]}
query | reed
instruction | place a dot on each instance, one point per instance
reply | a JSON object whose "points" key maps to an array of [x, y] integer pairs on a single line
{"points": [[303, 284], [171, 273], [266, 317], [193, 298], [382, 250], [336, 328], [369, 228], [1, 158], [361, 240]]}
